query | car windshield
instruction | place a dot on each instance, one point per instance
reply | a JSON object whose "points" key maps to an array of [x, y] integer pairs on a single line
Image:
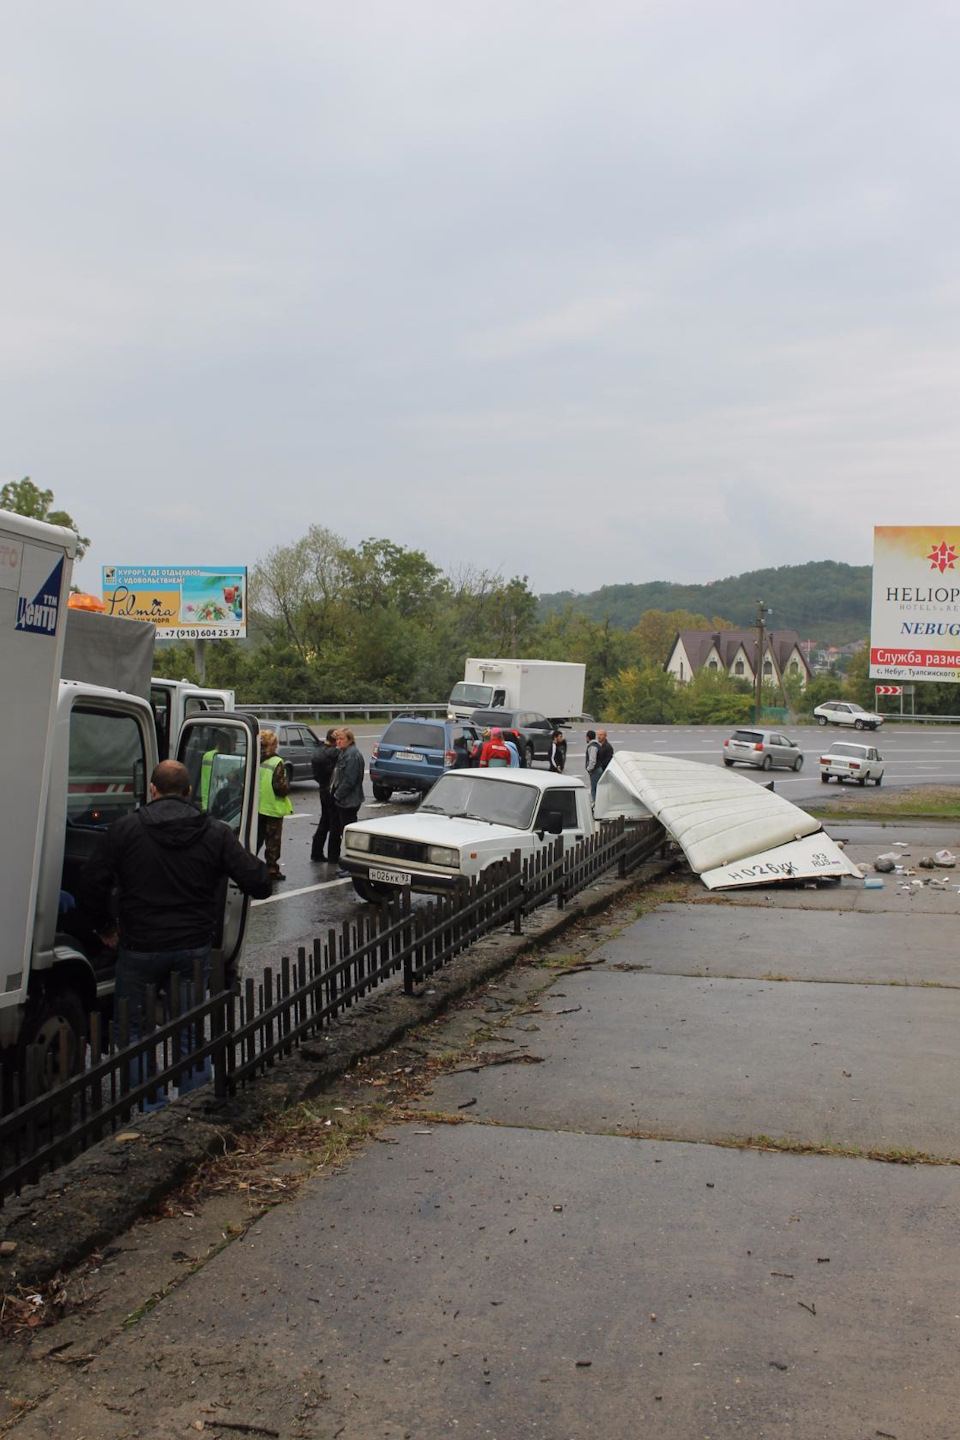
{"points": [[466, 794], [858, 751]]}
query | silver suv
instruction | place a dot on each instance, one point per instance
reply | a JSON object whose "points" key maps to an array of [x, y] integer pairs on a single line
{"points": [[763, 749]]}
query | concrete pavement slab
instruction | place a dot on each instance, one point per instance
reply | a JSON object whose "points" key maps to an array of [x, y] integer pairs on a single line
{"points": [[910, 949], [704, 1059], [498, 1284]]}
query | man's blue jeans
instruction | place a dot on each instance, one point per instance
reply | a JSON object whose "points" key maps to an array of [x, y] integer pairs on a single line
{"points": [[136, 969]]}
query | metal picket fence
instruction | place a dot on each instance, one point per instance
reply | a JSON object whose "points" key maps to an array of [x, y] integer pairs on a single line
{"points": [[233, 1034]]}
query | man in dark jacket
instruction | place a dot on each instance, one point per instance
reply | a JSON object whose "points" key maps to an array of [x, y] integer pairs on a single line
{"points": [[346, 787], [324, 763], [167, 862]]}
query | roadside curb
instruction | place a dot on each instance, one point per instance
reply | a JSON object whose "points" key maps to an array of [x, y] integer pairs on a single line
{"points": [[86, 1203]]}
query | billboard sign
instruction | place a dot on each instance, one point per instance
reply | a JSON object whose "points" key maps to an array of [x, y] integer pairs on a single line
{"points": [[185, 602], [915, 621]]}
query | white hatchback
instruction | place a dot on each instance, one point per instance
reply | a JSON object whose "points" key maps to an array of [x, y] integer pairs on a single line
{"points": [[848, 761], [845, 712]]}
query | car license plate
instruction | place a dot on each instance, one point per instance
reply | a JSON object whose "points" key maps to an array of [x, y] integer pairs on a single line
{"points": [[407, 755], [391, 877]]}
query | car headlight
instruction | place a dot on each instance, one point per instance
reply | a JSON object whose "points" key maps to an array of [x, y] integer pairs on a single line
{"points": [[356, 839], [443, 855]]}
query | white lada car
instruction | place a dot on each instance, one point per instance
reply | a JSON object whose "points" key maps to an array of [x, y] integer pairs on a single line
{"points": [[469, 820]]}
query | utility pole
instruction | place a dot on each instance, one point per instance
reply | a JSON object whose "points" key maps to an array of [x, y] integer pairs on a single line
{"points": [[762, 612]]}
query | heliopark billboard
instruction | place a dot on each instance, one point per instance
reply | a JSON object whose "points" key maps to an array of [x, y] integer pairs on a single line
{"points": [[915, 622], [185, 602]]}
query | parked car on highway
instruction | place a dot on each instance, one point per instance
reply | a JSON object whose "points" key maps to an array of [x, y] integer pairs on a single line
{"points": [[849, 761], [535, 729], [471, 819], [763, 749], [296, 745], [412, 753], [845, 712]]}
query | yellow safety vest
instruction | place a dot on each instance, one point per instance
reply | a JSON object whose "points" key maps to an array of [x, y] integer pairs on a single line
{"points": [[268, 802]]}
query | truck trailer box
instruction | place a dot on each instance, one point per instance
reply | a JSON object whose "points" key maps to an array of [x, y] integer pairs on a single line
{"points": [[36, 564], [552, 687]]}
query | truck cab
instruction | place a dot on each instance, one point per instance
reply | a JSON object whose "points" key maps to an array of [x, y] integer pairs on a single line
{"points": [[174, 701]]}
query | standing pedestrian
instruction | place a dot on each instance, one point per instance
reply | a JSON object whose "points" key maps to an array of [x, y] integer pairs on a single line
{"points": [[604, 752], [273, 803], [165, 863], [346, 788], [558, 752], [513, 737], [324, 764], [494, 752], [593, 774]]}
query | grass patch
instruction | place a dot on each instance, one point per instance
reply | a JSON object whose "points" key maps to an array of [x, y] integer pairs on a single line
{"points": [[921, 802]]}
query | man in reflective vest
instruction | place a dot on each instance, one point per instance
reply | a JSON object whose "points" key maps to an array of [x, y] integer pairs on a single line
{"points": [[274, 803]]}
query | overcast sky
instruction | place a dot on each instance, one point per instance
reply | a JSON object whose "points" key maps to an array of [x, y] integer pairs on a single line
{"points": [[588, 292]]}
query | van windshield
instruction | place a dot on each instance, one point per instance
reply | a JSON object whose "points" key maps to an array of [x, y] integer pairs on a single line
{"points": [[465, 694], [473, 796]]}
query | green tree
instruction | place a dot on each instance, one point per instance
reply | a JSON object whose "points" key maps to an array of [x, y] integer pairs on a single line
{"points": [[656, 630], [22, 497], [712, 698], [641, 695]]}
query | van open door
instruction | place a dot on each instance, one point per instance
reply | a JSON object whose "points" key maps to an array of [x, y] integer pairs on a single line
{"points": [[222, 754]]}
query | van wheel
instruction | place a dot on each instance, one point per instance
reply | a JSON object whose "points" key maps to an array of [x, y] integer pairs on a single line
{"points": [[381, 792], [57, 1014]]}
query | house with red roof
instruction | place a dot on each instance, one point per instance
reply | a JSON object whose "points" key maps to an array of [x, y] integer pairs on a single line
{"points": [[734, 653]]}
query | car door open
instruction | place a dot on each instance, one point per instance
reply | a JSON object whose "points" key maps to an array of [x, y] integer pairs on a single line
{"points": [[222, 756]]}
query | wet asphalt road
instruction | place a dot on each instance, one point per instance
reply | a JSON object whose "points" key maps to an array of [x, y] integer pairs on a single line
{"points": [[312, 899]]}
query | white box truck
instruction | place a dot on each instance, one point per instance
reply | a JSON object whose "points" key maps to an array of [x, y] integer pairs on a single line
{"points": [[551, 687], [75, 756]]}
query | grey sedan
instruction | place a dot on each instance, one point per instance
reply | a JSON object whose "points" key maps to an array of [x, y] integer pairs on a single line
{"points": [[296, 745], [763, 749]]}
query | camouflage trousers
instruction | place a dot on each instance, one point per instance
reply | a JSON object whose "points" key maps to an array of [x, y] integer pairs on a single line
{"points": [[270, 836]]}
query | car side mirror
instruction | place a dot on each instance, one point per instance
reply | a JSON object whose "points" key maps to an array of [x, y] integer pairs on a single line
{"points": [[553, 822]]}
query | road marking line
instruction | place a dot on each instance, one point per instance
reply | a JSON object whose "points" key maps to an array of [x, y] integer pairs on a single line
{"points": [[304, 890]]}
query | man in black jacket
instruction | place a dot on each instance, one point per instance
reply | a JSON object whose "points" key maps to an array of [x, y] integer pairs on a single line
{"points": [[167, 861], [324, 764]]}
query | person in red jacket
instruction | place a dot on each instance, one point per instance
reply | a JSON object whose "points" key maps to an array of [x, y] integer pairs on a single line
{"points": [[494, 752]]}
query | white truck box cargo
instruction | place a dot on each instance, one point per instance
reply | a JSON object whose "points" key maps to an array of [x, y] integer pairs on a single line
{"points": [[552, 687]]}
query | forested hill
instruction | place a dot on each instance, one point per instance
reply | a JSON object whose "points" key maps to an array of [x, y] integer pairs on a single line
{"points": [[823, 599]]}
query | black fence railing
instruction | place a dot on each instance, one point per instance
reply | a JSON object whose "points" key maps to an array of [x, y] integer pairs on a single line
{"points": [[197, 1032]]}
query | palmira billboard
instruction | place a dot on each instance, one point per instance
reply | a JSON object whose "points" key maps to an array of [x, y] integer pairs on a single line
{"points": [[185, 602], [915, 622]]}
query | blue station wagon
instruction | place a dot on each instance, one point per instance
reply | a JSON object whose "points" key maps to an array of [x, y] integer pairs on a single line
{"points": [[413, 752]]}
